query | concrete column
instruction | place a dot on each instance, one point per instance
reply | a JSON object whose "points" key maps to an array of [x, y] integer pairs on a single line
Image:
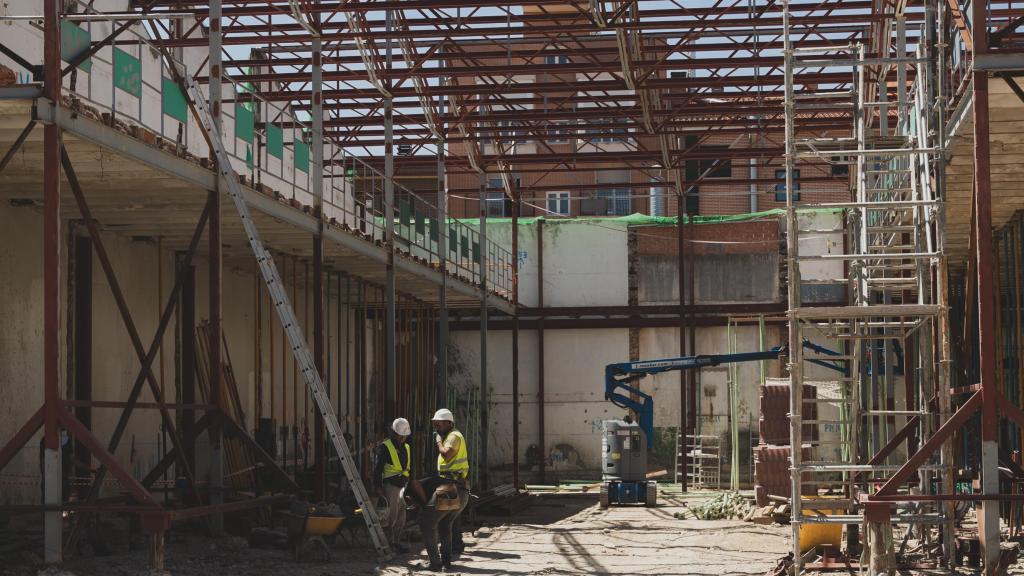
{"points": [[53, 544]]}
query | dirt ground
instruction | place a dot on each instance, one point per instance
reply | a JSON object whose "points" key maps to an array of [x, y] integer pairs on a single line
{"points": [[557, 535]]}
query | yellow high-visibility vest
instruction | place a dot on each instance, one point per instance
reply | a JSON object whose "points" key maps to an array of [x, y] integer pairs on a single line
{"points": [[394, 466], [458, 466]]}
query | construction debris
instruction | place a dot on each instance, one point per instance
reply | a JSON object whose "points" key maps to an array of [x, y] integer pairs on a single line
{"points": [[723, 506]]}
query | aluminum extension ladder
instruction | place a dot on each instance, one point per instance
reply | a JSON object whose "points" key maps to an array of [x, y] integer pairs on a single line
{"points": [[283, 305]]}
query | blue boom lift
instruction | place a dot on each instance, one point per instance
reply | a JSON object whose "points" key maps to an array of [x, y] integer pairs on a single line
{"points": [[625, 443]]}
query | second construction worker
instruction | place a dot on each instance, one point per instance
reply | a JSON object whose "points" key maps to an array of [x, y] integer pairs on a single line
{"points": [[452, 469], [391, 473]]}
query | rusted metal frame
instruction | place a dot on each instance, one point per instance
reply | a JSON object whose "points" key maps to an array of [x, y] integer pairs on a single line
{"points": [[239, 506], [257, 7], [17, 144], [84, 435], [988, 517], [165, 462], [955, 422], [21, 437], [137, 406], [515, 338], [51, 241], [724, 126], [145, 358], [233, 429], [904, 433], [576, 86], [505, 16], [241, 37], [295, 59]]}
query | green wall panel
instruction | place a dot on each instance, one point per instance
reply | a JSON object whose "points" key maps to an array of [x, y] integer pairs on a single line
{"points": [[127, 73]]}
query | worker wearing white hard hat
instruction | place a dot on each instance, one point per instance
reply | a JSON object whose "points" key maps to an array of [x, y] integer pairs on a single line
{"points": [[391, 472], [452, 469]]}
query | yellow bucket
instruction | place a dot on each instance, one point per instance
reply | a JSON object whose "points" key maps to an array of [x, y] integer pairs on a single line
{"points": [[813, 534]]}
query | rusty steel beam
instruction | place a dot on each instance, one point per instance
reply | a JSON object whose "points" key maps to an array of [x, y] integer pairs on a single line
{"points": [[21, 437], [145, 357], [972, 405]]}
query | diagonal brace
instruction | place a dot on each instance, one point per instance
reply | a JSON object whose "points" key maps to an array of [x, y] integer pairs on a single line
{"points": [[931, 445], [146, 359], [17, 144]]}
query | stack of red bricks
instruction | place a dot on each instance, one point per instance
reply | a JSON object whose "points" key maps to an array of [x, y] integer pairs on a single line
{"points": [[772, 456]]}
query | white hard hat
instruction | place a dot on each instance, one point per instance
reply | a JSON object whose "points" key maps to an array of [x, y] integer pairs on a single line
{"points": [[443, 414], [401, 427]]}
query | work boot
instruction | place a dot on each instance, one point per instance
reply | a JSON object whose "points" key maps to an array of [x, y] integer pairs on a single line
{"points": [[429, 567], [446, 561]]}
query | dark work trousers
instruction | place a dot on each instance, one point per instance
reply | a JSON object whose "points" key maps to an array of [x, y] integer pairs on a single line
{"points": [[437, 526]]}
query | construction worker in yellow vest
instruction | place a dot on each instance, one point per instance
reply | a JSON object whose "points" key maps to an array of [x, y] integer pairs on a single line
{"points": [[453, 467], [391, 473]]}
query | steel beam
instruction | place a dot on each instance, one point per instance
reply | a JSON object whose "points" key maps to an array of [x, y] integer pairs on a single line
{"points": [[541, 439], [515, 340], [484, 395], [53, 526], [988, 514], [317, 181]]}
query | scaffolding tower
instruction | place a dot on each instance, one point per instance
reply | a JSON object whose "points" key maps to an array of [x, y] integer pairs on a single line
{"points": [[892, 249]]}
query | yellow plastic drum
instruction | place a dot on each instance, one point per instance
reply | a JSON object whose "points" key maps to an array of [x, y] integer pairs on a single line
{"points": [[813, 534]]}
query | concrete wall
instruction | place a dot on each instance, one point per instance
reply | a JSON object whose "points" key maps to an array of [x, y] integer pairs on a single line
{"points": [[115, 364], [586, 264]]}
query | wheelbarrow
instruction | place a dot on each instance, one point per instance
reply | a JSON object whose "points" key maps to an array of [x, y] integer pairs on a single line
{"points": [[306, 531]]}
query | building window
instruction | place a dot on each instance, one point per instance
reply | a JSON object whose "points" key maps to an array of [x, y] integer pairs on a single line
{"points": [[558, 203], [496, 205], [599, 135], [841, 165], [617, 200], [720, 168], [559, 132], [556, 59], [780, 188]]}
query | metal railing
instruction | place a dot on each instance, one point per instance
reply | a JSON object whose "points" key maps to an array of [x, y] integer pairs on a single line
{"points": [[268, 144]]}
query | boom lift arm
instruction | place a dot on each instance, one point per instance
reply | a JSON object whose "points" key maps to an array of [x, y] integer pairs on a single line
{"points": [[619, 377]]}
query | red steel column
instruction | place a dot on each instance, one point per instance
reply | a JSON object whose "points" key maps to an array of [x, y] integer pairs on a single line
{"points": [[317, 180], [541, 442], [988, 518], [52, 531], [515, 339], [216, 270]]}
